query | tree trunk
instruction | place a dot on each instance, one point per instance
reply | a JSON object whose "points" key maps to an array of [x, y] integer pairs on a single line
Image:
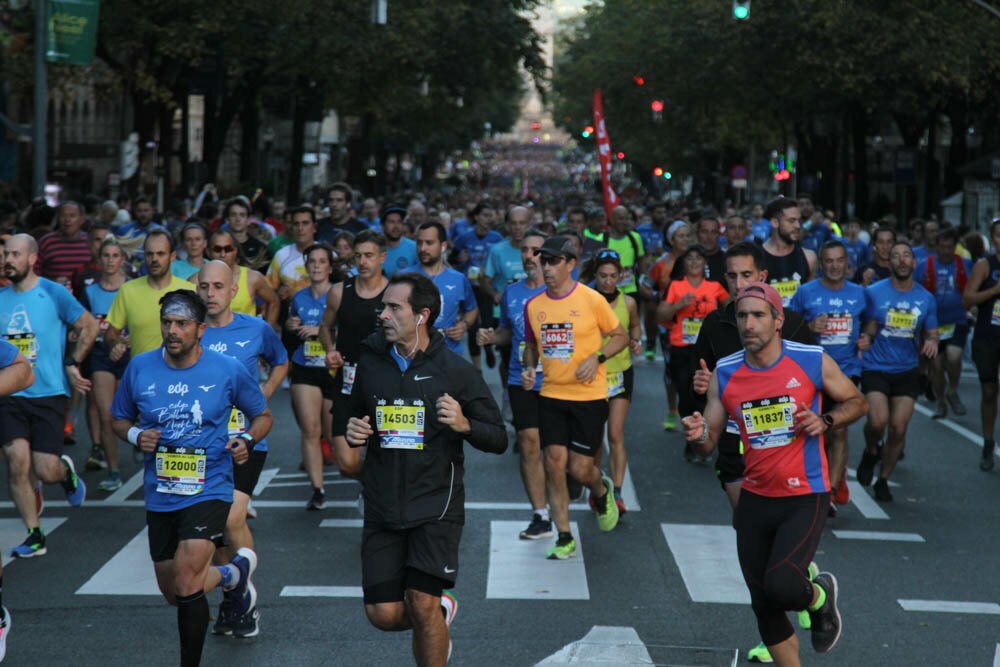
{"points": [[293, 193], [859, 136], [249, 153]]}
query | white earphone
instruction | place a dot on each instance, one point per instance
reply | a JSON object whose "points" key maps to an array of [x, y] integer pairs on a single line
{"points": [[420, 318]]}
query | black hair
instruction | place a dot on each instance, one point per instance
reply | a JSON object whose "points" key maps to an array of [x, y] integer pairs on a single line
{"points": [[371, 236], [576, 210], [189, 297], [882, 230], [535, 231], [236, 201], [330, 254], [309, 210], [778, 206], [193, 225], [98, 225], [159, 232], [480, 207], [442, 233], [747, 249], [344, 188], [423, 294], [831, 244], [949, 233]]}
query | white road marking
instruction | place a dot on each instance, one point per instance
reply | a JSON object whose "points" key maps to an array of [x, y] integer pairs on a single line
{"points": [[706, 557], [877, 536], [996, 657], [266, 476], [519, 570], [580, 506], [866, 505], [971, 436], [129, 572], [341, 523], [951, 607], [13, 532], [322, 592], [628, 492], [302, 475], [131, 485], [603, 645], [299, 504], [305, 483]]}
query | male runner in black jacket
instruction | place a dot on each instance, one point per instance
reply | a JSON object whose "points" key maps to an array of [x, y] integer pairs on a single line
{"points": [[413, 404]]}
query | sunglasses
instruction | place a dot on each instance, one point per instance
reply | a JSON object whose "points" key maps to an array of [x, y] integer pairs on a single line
{"points": [[551, 260], [223, 249], [606, 254]]}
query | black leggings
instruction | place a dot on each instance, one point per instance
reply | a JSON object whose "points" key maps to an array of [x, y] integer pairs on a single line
{"points": [[682, 367], [776, 538]]}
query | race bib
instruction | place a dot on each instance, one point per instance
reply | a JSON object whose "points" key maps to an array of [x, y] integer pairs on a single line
{"points": [[946, 332], [349, 370], [690, 328], [237, 422], [627, 279], [616, 384], [314, 352], [102, 325], [400, 424], [474, 273], [769, 422], [557, 341], [786, 289], [838, 329], [995, 319], [26, 345], [180, 470], [899, 323]]}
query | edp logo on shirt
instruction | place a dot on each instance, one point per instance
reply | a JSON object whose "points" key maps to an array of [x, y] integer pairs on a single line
{"points": [[178, 388]]}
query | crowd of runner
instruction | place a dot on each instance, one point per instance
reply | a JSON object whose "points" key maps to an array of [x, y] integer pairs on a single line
{"points": [[776, 327]]}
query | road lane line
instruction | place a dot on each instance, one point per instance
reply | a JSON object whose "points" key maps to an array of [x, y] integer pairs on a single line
{"points": [[603, 645], [12, 532], [629, 497], [302, 475], [518, 569], [341, 523], [706, 557], [971, 436], [305, 483], [996, 657], [129, 572], [877, 536], [266, 476], [951, 607], [128, 488], [866, 505], [322, 592]]}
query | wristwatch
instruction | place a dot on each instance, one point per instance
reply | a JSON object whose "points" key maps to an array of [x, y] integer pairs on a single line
{"points": [[68, 360], [249, 439], [601, 358], [828, 420]]}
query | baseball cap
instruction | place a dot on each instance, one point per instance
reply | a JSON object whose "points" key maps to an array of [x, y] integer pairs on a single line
{"points": [[761, 290], [558, 246], [399, 210]]}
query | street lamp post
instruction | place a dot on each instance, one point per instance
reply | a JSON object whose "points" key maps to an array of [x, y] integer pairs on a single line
{"points": [[38, 127]]}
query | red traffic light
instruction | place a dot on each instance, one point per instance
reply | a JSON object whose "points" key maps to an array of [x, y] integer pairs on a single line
{"points": [[639, 81], [658, 171], [589, 129], [536, 126], [656, 106], [621, 156]]}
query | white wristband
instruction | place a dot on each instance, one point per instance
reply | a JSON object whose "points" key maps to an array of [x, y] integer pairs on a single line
{"points": [[133, 435]]}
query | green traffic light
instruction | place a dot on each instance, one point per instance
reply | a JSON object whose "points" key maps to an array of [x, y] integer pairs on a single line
{"points": [[667, 175], [740, 12]]}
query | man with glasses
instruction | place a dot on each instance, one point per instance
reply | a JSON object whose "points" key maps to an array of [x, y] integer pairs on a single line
{"points": [[136, 306], [565, 327]]}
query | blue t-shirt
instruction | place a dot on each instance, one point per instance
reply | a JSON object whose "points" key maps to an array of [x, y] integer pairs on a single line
{"points": [[456, 298], [401, 257], [845, 309], [310, 310], [182, 269], [859, 254], [949, 297], [246, 339], [98, 301], [36, 322], [512, 317], [504, 265], [191, 408], [458, 227], [477, 249], [901, 317], [652, 239], [8, 353], [920, 254], [761, 230]]}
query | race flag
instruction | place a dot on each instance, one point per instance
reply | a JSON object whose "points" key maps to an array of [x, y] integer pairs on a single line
{"points": [[611, 199]]}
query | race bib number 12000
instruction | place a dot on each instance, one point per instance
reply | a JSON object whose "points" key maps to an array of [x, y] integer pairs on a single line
{"points": [[180, 470]]}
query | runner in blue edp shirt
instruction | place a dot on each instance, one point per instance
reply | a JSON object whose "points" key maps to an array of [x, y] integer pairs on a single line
{"points": [[898, 318], [174, 404], [834, 310]]}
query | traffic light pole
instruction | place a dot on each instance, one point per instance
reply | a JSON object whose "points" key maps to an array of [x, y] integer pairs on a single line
{"points": [[38, 127]]}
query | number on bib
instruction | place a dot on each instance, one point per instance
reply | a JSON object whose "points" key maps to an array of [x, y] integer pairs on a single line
{"points": [[400, 425], [769, 422], [314, 352], [557, 341], [180, 470]]}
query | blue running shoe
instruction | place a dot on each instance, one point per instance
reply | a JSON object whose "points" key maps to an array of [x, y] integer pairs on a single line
{"points": [[33, 546], [75, 488], [244, 595]]}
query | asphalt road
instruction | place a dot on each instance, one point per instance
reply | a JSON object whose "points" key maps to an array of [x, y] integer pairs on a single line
{"points": [[918, 577]]}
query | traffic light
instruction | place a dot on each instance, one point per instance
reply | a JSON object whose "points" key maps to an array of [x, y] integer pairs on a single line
{"points": [[657, 171], [587, 131], [639, 80], [741, 10], [667, 175], [621, 155], [656, 106]]}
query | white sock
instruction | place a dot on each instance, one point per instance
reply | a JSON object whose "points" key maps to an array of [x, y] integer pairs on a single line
{"points": [[543, 513]]}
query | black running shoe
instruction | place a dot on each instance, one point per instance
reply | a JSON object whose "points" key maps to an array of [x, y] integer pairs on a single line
{"points": [[866, 469], [826, 620], [986, 463], [882, 492], [537, 529], [247, 625], [318, 500], [224, 621]]}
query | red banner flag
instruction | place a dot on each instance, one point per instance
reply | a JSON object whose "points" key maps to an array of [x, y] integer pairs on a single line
{"points": [[611, 199]]}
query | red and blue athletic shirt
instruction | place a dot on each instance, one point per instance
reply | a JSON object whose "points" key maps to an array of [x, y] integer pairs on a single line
{"points": [[762, 401]]}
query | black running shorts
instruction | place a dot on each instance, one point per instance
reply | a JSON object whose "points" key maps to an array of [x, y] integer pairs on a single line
{"points": [[578, 425], [202, 521], [524, 405], [423, 558], [908, 383], [245, 476], [40, 421], [986, 356], [313, 376]]}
